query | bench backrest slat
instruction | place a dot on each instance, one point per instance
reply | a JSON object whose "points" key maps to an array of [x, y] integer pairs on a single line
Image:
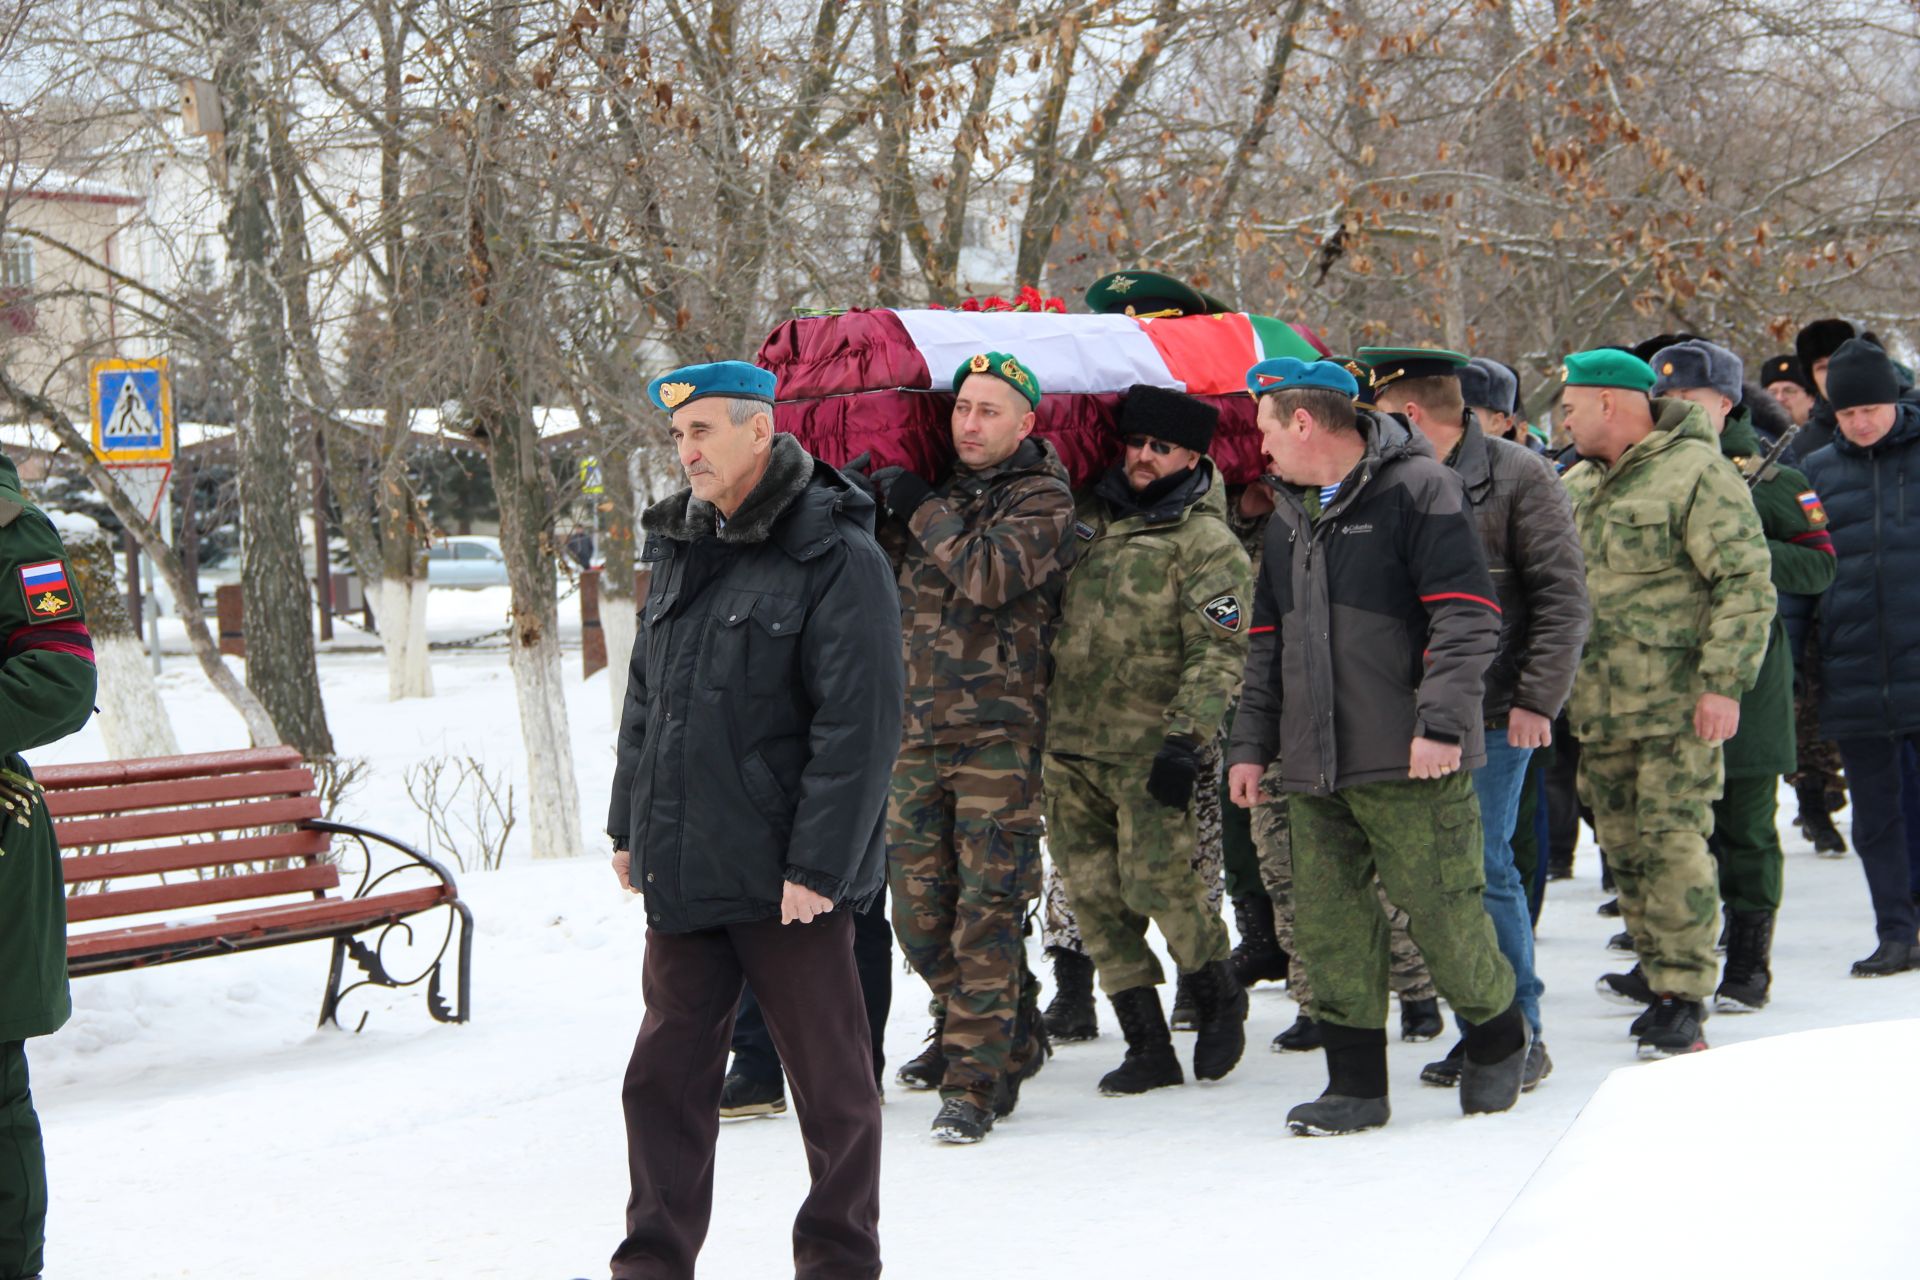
{"points": [[183, 791], [160, 858], [107, 773], [74, 833], [314, 877]]}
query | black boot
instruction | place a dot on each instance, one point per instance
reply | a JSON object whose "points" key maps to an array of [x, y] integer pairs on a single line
{"points": [[1070, 1016], [1222, 1002], [1257, 957], [1560, 867], [961, 1122], [1495, 1067], [1150, 1062], [1747, 978], [1186, 1011], [930, 1068], [1674, 1026], [1356, 1095], [1302, 1037], [741, 1097], [1420, 1020], [1627, 988], [1816, 821], [1888, 958], [1622, 942], [1610, 908]]}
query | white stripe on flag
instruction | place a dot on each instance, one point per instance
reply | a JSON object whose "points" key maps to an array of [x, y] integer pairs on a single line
{"points": [[1066, 352], [43, 572]]}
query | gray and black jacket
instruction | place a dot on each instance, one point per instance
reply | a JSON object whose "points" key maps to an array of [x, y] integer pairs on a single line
{"points": [[1525, 523], [763, 701], [1372, 625]]}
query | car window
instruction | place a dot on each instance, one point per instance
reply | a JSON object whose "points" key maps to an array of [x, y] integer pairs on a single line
{"points": [[441, 552]]}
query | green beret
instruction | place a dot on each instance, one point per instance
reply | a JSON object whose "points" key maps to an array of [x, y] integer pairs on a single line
{"points": [[998, 364], [1608, 367], [1148, 293]]}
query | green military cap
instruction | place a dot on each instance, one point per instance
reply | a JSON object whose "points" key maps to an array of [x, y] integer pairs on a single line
{"points": [[1363, 376], [998, 364], [1149, 293], [1390, 364], [1608, 367]]}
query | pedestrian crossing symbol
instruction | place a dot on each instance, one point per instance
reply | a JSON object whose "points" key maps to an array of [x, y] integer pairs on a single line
{"points": [[132, 411]]}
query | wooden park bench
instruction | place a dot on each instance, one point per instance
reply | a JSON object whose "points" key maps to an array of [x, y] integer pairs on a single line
{"points": [[148, 844]]}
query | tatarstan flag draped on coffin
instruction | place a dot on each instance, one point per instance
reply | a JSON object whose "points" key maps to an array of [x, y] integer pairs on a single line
{"points": [[879, 382]]}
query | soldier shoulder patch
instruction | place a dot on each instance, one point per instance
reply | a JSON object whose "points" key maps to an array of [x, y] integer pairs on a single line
{"points": [[1224, 612], [48, 591], [1084, 531], [1810, 504]]}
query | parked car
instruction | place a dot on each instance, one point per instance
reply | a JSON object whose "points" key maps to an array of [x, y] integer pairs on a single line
{"points": [[468, 561]]}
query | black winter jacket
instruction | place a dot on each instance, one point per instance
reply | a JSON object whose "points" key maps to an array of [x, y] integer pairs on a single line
{"points": [[1372, 625], [1869, 628], [763, 702]]}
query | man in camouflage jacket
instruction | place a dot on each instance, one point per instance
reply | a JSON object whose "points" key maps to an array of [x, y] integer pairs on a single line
{"points": [[981, 558], [1677, 573], [1153, 629]]}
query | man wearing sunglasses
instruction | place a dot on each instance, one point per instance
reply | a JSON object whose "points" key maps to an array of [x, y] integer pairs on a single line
{"points": [[1153, 631]]}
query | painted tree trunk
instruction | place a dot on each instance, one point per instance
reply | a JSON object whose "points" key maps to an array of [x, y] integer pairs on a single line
{"points": [[133, 721]]}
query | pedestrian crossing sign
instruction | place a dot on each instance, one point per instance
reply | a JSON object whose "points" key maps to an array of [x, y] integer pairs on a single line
{"points": [[132, 410]]}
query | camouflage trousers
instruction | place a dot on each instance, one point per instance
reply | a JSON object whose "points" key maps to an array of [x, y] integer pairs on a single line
{"points": [[1127, 859], [1059, 929], [963, 862], [1419, 840], [1652, 802], [1272, 835]]}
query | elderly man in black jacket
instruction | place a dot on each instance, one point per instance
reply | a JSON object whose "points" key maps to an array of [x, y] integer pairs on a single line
{"points": [[763, 715]]}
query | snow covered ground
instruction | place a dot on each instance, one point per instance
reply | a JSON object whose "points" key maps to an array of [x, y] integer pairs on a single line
{"points": [[198, 1125]]}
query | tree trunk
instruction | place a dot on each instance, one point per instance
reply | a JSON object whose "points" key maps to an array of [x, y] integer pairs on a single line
{"points": [[522, 483], [618, 608], [280, 656], [132, 719], [401, 604]]}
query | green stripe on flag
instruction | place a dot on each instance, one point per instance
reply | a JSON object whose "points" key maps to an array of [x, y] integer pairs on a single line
{"points": [[1277, 338]]}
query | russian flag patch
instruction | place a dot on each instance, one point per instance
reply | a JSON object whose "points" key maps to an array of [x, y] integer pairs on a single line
{"points": [[49, 594], [1810, 503]]}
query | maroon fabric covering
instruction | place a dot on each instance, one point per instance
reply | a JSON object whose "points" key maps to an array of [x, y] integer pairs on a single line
{"points": [[833, 355], [909, 429]]}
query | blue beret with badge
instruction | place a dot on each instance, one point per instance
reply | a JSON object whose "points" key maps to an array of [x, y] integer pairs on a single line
{"points": [[1699, 363], [1284, 373], [734, 379]]}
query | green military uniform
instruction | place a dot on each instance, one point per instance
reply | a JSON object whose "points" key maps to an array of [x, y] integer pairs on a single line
{"points": [[46, 692], [1677, 575], [1153, 629], [981, 561], [1746, 837]]}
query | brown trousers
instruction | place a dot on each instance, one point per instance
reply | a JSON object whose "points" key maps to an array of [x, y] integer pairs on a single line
{"points": [[804, 978]]}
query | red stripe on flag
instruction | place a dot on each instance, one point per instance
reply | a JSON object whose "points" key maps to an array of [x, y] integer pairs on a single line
{"points": [[1211, 354]]}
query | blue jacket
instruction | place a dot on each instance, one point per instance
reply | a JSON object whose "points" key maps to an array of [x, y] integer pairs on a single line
{"points": [[1869, 625]]}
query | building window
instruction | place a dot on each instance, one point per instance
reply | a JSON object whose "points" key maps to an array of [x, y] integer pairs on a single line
{"points": [[16, 285]]}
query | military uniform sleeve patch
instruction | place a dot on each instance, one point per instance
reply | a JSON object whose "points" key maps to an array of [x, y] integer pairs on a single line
{"points": [[1816, 514], [1224, 612], [49, 593], [1084, 531]]}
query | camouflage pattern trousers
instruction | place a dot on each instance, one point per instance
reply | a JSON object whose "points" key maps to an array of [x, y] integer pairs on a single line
{"points": [[963, 862], [1272, 835], [1059, 929], [1819, 760], [1421, 839], [1652, 802], [1127, 859]]}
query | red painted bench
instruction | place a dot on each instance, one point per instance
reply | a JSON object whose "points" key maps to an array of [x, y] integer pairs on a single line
{"points": [[147, 843]]}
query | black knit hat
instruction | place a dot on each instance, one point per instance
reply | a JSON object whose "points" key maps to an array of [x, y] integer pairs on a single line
{"points": [[1859, 374], [1660, 342], [1786, 369], [1168, 415], [1821, 339]]}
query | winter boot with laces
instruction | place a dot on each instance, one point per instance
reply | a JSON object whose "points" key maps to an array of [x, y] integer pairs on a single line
{"points": [[1674, 1026], [930, 1068], [1070, 1015], [1747, 979], [1627, 988], [1257, 957], [1222, 1003], [1186, 1010], [1150, 1062]]}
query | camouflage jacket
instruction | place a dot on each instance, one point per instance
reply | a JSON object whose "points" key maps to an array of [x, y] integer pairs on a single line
{"points": [[1153, 624], [980, 577], [1677, 573]]}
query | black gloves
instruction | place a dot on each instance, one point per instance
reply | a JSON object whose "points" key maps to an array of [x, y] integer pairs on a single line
{"points": [[905, 494], [856, 471], [1175, 766]]}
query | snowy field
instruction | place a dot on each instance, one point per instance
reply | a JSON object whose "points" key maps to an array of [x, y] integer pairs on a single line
{"points": [[198, 1125]]}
